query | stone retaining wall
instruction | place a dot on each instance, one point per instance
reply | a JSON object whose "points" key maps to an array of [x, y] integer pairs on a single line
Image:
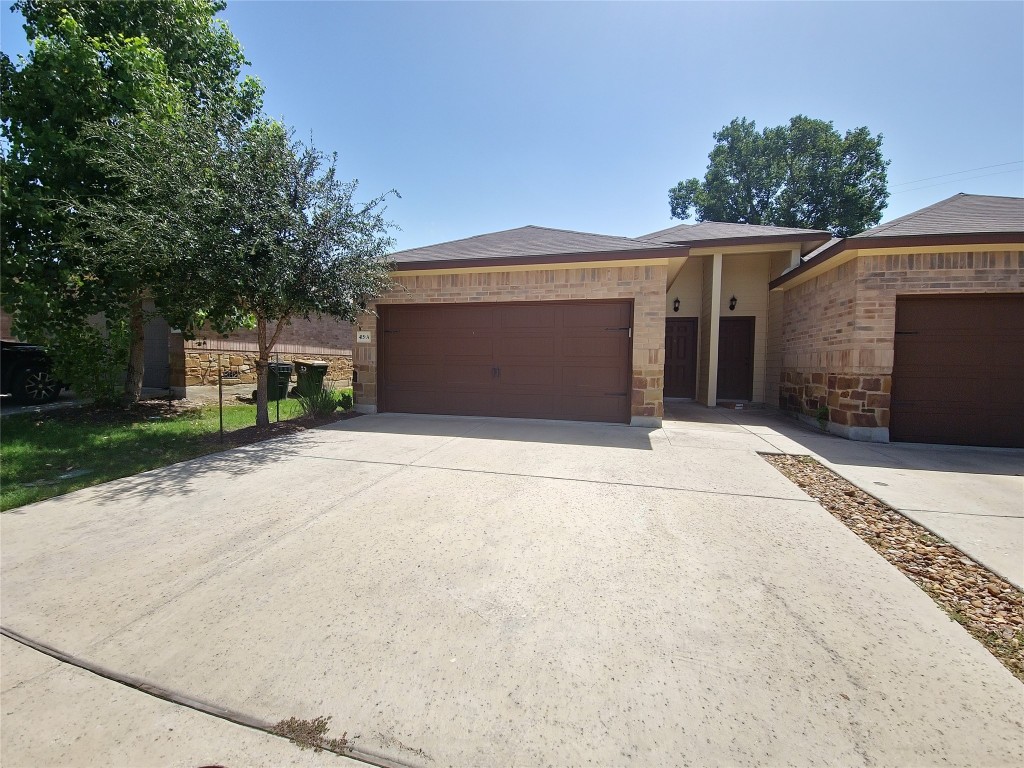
{"points": [[201, 367]]}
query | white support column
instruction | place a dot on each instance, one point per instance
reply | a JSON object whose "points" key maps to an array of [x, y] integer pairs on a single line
{"points": [[794, 258], [716, 312]]}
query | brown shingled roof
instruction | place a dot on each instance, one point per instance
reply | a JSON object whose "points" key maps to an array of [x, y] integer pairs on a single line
{"points": [[523, 242], [959, 220], [704, 231], [961, 214]]}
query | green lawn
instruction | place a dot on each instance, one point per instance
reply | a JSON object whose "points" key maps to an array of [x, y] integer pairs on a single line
{"points": [[36, 449]]}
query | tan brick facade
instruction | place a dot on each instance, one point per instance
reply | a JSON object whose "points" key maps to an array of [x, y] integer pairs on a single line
{"points": [[645, 285], [838, 329]]}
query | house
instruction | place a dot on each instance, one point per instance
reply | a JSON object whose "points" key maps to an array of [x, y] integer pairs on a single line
{"points": [[547, 323]]}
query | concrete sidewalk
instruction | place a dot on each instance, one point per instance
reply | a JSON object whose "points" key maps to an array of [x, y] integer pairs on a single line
{"points": [[487, 592], [971, 497]]}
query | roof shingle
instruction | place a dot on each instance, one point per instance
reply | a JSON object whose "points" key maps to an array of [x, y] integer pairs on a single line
{"points": [[720, 230], [522, 242], [961, 214]]}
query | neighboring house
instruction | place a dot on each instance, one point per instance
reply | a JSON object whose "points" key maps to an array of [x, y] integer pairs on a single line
{"points": [[325, 338], [547, 323], [172, 362], [913, 330]]}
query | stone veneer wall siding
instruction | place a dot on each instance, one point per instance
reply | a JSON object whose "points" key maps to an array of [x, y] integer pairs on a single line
{"points": [[839, 328], [201, 366], [645, 285]]}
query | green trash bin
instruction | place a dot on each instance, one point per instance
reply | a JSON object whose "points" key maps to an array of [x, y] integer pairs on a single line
{"points": [[310, 375], [278, 376]]}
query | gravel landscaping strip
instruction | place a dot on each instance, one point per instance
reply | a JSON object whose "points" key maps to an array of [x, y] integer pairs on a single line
{"points": [[987, 606]]}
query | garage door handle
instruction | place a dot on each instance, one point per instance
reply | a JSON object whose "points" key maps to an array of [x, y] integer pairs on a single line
{"points": [[495, 373], [614, 394]]}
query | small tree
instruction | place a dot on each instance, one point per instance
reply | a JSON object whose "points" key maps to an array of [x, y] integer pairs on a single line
{"points": [[240, 225], [804, 174], [296, 244]]}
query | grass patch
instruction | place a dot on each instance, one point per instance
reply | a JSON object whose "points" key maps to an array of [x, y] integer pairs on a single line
{"points": [[49, 454]]}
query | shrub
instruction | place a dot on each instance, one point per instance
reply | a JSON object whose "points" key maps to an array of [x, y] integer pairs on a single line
{"points": [[345, 399], [91, 359], [317, 400]]}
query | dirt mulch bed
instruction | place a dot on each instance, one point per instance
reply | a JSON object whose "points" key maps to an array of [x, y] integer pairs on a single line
{"points": [[987, 606]]}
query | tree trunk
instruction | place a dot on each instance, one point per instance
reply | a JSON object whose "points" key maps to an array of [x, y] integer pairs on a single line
{"points": [[262, 363], [136, 356]]}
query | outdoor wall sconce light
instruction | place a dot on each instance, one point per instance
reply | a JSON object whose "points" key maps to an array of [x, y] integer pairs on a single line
{"points": [[675, 305], [732, 303]]}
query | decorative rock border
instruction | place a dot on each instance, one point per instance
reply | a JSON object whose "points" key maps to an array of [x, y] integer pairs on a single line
{"points": [[987, 606]]}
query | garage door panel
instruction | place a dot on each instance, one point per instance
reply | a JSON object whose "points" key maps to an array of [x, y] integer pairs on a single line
{"points": [[526, 316], [607, 378], [594, 408], [598, 316], [958, 370], [539, 377], [531, 347], [607, 346], [460, 346], [456, 373], [557, 360], [414, 373]]}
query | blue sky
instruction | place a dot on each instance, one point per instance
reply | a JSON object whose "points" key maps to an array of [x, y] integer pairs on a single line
{"points": [[487, 116]]}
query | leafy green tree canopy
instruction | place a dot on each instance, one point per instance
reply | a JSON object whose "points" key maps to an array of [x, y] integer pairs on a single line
{"points": [[250, 226], [95, 63], [804, 174]]}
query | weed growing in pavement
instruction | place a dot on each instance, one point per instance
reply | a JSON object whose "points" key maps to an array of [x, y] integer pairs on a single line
{"points": [[311, 734]]}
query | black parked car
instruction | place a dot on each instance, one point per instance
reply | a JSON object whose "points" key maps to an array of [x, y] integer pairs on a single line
{"points": [[25, 373]]}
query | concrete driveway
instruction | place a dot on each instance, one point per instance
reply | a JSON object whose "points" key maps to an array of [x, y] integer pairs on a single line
{"points": [[488, 592], [971, 497]]}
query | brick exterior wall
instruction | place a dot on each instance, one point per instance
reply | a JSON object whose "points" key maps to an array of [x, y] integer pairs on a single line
{"points": [[838, 329], [323, 338], [5, 326], [644, 284]]}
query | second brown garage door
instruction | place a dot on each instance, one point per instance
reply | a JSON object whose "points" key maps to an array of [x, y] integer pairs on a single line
{"points": [[958, 370], [550, 360]]}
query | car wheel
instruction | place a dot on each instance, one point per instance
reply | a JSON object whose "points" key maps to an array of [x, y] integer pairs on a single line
{"points": [[35, 386]]}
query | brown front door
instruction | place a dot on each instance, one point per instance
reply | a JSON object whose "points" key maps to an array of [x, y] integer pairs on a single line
{"points": [[958, 369], [681, 357], [736, 358], [543, 360]]}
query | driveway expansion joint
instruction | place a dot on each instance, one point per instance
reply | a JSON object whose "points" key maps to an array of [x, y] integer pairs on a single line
{"points": [[182, 699], [620, 483]]}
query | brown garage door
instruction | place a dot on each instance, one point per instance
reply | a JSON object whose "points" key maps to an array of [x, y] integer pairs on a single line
{"points": [[958, 370], [550, 360]]}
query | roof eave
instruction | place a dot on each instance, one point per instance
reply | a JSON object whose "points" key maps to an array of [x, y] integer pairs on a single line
{"points": [[896, 241], [803, 237], [663, 252]]}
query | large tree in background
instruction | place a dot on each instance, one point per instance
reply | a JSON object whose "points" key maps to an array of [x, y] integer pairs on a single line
{"points": [[804, 174], [248, 226], [93, 63]]}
